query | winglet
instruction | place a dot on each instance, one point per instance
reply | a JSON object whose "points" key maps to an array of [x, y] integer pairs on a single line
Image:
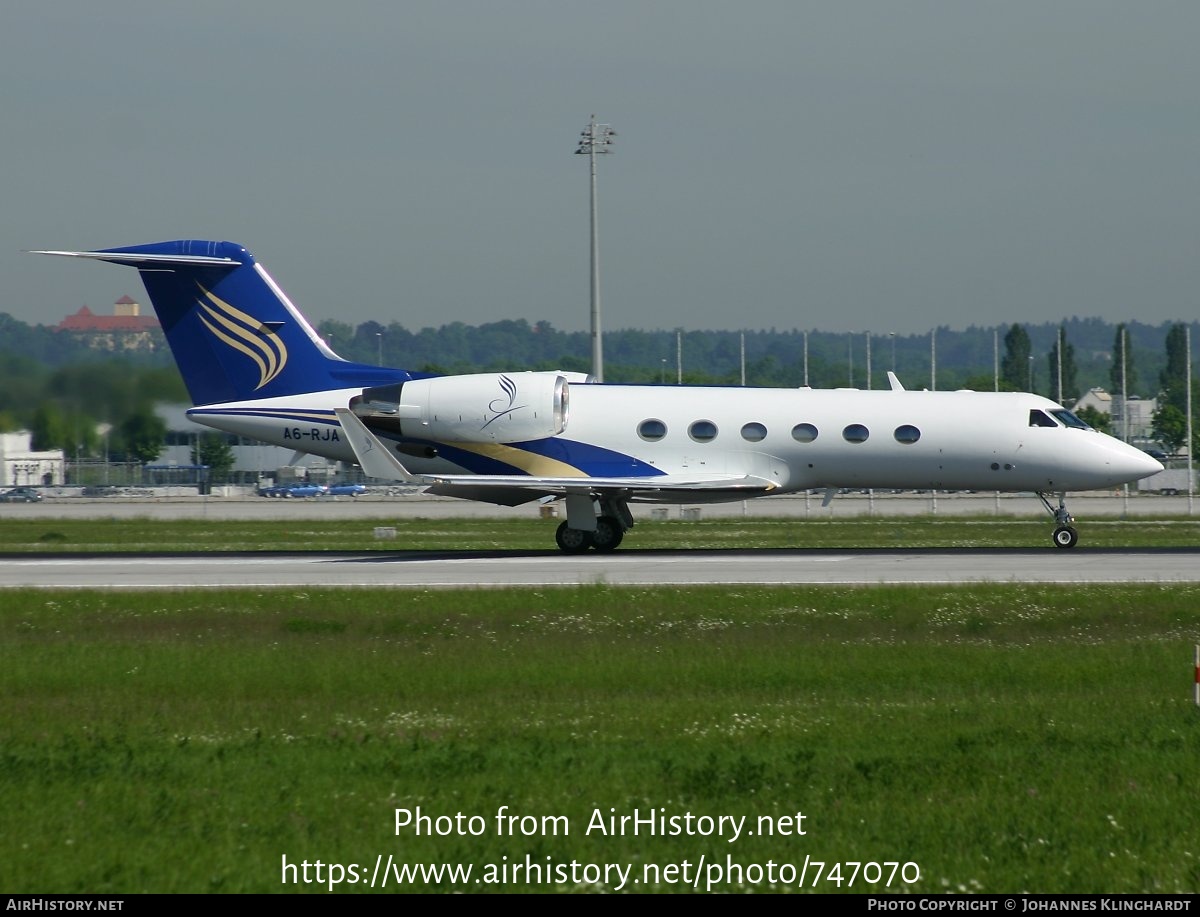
{"points": [[375, 459]]}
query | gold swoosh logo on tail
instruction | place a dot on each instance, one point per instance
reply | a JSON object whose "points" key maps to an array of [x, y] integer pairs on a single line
{"points": [[242, 332]]}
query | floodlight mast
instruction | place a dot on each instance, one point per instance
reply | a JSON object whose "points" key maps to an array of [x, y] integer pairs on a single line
{"points": [[594, 139]]}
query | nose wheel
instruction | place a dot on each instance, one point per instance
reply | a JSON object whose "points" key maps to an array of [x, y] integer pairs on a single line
{"points": [[1065, 535]]}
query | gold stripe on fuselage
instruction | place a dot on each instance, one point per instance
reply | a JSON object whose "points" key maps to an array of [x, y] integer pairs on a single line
{"points": [[538, 466]]}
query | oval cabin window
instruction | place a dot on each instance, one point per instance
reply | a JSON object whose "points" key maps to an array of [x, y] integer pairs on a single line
{"points": [[856, 433], [754, 433], [652, 430], [804, 433]]}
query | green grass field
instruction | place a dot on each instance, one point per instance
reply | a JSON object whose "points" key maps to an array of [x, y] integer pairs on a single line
{"points": [[1000, 738], [142, 535]]}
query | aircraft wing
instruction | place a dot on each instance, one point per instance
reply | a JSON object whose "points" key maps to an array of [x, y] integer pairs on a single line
{"points": [[378, 461]]}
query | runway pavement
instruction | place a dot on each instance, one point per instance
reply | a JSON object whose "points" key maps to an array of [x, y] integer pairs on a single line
{"points": [[515, 568], [628, 567]]}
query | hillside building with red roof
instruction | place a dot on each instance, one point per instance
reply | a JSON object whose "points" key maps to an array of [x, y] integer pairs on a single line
{"points": [[125, 329]]}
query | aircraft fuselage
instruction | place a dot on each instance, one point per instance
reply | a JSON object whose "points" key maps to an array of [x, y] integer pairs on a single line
{"points": [[794, 438]]}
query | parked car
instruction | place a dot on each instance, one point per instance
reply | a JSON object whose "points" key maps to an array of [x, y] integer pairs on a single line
{"points": [[20, 495], [293, 490], [306, 490], [352, 490]]}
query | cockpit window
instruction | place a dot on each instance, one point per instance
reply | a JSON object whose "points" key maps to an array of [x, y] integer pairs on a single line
{"points": [[1070, 420], [1040, 419]]}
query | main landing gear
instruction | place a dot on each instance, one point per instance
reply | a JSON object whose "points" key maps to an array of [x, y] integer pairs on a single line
{"points": [[584, 530], [607, 537], [1065, 535]]}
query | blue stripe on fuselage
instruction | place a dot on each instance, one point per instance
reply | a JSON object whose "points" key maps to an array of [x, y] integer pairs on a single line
{"points": [[294, 415]]}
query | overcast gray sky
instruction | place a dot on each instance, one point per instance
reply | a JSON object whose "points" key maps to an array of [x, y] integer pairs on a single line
{"points": [[839, 165]]}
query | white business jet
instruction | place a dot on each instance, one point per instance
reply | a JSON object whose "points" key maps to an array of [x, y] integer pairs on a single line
{"points": [[255, 367]]}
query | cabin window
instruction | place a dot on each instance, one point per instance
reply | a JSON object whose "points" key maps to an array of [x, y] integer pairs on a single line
{"points": [[855, 433], [907, 434], [703, 431], [754, 433], [652, 430], [804, 433], [1040, 419], [1070, 420]]}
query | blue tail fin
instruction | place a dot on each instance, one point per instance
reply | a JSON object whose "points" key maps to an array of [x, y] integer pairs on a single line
{"points": [[232, 330]]}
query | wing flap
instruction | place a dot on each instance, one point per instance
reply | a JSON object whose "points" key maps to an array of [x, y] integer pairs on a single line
{"points": [[666, 482]]}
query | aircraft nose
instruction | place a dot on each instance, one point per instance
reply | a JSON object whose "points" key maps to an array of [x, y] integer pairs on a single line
{"points": [[1134, 464]]}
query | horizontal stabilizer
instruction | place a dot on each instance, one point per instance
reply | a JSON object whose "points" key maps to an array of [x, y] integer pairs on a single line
{"points": [[136, 258]]}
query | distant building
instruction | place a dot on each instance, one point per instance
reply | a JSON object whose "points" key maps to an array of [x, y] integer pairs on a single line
{"points": [[1141, 413], [1096, 398], [125, 329], [21, 466]]}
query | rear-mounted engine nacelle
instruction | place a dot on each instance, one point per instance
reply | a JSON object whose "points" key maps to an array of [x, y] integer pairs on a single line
{"points": [[478, 408]]}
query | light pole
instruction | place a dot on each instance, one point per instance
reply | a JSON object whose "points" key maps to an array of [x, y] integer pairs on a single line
{"points": [[595, 138], [1124, 386], [868, 336], [933, 360], [104, 429], [995, 360], [379, 343], [1190, 443], [1058, 354]]}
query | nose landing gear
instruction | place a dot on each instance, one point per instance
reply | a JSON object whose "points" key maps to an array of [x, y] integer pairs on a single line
{"points": [[1065, 535]]}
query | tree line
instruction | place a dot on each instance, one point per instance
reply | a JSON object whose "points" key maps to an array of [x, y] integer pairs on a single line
{"points": [[1170, 385], [95, 407], [772, 357]]}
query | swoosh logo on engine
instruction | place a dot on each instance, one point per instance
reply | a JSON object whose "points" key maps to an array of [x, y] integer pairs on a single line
{"points": [[509, 388]]}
